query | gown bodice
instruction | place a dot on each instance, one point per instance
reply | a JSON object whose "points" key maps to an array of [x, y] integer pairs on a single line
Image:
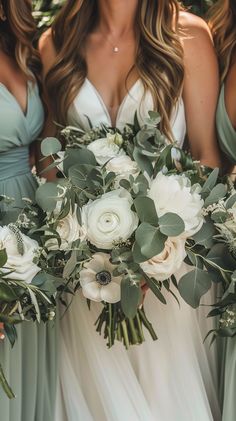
{"points": [[18, 130], [89, 105]]}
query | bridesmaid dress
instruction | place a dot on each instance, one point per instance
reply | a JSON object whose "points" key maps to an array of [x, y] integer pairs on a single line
{"points": [[227, 346], [31, 365]]}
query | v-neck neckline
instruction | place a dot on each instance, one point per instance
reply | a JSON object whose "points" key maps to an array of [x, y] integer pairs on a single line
{"points": [[120, 107], [23, 112]]}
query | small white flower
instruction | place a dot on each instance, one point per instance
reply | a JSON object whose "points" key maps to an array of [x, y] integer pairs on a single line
{"points": [[107, 148], [175, 194], [109, 219], [166, 263], [175, 154], [97, 281], [22, 264], [123, 167], [69, 230]]}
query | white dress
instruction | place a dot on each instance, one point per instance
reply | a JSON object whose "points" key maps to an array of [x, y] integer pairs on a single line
{"points": [[166, 380]]}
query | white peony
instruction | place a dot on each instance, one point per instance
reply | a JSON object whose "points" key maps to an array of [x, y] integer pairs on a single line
{"points": [[174, 193], [97, 281], [107, 148], [123, 167], [19, 262], [69, 230], [166, 263], [109, 219]]}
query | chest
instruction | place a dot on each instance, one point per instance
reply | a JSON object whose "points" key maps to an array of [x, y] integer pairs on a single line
{"points": [[14, 80], [111, 73]]}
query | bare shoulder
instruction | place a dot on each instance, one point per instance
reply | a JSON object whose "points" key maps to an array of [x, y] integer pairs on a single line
{"points": [[194, 32], [47, 50]]}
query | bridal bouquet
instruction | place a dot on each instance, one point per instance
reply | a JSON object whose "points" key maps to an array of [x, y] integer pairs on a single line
{"points": [[125, 214]]}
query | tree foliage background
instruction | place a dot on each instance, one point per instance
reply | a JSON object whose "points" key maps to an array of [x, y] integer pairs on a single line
{"points": [[46, 9]]}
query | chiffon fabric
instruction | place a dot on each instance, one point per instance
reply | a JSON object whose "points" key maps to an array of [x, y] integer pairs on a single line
{"points": [[31, 366], [166, 380], [227, 346]]}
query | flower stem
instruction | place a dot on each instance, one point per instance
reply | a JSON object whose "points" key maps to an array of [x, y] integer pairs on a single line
{"points": [[147, 324], [3, 381], [125, 334]]}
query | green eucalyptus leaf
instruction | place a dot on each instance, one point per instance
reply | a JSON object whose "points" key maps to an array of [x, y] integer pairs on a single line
{"points": [[146, 210], [130, 297], [150, 240], [205, 235], [231, 201], [46, 196], [78, 156], [154, 287], [193, 285], [70, 265], [220, 257], [210, 183], [11, 333], [50, 146], [79, 174], [3, 257], [219, 217], [7, 293], [171, 224], [218, 192], [143, 162]]}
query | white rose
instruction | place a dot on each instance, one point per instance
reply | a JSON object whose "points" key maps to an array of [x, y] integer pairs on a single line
{"points": [[123, 167], [69, 230], [109, 219], [97, 281], [22, 264], [166, 263], [174, 193], [106, 148]]}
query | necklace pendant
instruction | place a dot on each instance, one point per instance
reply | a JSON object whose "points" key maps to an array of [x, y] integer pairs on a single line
{"points": [[115, 50]]}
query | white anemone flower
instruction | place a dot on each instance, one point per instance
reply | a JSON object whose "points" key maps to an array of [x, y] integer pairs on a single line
{"points": [[97, 282]]}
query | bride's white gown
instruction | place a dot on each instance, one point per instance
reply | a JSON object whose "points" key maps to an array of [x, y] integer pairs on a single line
{"points": [[166, 380]]}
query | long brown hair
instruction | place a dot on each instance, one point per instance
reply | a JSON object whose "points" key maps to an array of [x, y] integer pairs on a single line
{"points": [[223, 26], [17, 33], [159, 46]]}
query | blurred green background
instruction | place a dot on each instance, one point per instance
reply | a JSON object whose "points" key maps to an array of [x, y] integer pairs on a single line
{"points": [[44, 10]]}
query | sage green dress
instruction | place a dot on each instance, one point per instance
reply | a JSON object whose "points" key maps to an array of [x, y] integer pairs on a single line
{"points": [[227, 346], [31, 366]]}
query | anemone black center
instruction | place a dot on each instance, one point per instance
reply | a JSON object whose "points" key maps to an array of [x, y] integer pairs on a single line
{"points": [[103, 277]]}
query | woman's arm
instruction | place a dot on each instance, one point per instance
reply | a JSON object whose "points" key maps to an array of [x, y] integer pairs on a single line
{"points": [[201, 89]]}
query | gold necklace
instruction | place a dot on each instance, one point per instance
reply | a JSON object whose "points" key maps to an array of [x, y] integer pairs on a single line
{"points": [[115, 48]]}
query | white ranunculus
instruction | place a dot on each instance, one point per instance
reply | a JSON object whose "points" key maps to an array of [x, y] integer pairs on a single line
{"points": [[109, 219], [97, 281], [21, 263], [123, 167], [174, 193], [166, 263], [69, 230], [107, 148]]}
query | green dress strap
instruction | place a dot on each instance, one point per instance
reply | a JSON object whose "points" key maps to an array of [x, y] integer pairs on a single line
{"points": [[225, 129]]}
